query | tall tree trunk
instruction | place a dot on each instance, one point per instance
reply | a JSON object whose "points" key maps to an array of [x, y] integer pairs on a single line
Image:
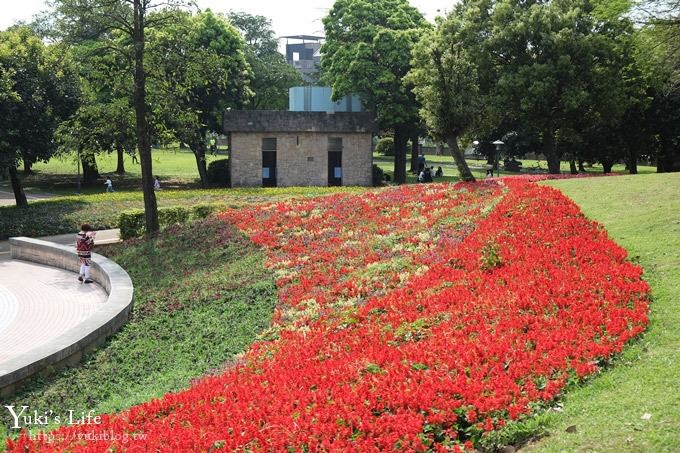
{"points": [[143, 142], [199, 152], [19, 195], [550, 152], [28, 167], [400, 139], [632, 163], [572, 166], [414, 153], [607, 166], [90, 170], [459, 159], [581, 168], [120, 167]]}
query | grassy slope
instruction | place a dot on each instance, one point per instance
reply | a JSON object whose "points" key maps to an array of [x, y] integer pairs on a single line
{"points": [[202, 295], [642, 213]]}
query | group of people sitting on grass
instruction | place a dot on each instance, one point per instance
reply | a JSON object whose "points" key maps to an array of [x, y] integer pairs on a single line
{"points": [[427, 174]]}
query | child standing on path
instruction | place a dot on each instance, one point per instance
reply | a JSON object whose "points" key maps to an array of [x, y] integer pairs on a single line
{"points": [[84, 244]]}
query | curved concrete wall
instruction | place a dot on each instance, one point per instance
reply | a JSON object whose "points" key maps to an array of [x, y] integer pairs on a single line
{"points": [[69, 347]]}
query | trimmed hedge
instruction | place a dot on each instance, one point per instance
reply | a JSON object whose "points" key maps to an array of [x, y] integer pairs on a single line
{"points": [[131, 222]]}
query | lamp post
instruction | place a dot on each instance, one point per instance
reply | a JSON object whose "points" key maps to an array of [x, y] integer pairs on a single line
{"points": [[499, 144], [476, 145]]}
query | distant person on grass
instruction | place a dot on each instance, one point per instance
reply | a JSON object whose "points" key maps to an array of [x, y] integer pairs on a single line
{"points": [[439, 173], [156, 184], [109, 185], [84, 244], [421, 162]]}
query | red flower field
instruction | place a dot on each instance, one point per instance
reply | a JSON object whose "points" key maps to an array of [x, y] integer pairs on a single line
{"points": [[416, 318]]}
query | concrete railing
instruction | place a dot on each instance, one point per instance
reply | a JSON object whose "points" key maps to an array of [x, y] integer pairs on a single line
{"points": [[68, 348]]}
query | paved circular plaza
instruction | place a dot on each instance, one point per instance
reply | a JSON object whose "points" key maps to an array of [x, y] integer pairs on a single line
{"points": [[40, 303]]}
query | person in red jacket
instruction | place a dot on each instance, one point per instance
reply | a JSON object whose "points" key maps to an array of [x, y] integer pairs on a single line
{"points": [[84, 245]]}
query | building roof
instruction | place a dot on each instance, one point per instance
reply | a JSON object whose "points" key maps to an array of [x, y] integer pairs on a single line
{"points": [[304, 37], [287, 121]]}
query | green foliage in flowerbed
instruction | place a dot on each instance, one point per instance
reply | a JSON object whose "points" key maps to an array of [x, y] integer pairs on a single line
{"points": [[66, 214], [202, 295]]}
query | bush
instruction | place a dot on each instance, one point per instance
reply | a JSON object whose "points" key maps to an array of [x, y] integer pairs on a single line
{"points": [[202, 211], [385, 146], [378, 176], [173, 215], [132, 225], [218, 173]]}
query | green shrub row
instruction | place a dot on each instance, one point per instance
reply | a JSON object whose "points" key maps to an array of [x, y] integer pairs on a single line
{"points": [[131, 222]]}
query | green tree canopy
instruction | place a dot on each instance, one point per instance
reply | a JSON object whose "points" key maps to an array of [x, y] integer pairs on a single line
{"points": [[548, 69], [368, 52], [200, 69], [105, 120], [40, 90], [272, 75], [107, 20], [445, 84]]}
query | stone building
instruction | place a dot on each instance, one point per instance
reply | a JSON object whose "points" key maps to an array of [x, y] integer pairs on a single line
{"points": [[282, 148]]}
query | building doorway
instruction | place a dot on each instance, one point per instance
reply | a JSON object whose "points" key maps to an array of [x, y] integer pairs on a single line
{"points": [[334, 161], [269, 162]]}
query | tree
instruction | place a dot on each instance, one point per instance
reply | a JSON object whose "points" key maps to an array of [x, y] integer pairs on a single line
{"points": [[105, 120], [368, 52], [445, 84], [546, 66], [40, 89], [131, 18], [200, 66], [659, 54], [272, 75]]}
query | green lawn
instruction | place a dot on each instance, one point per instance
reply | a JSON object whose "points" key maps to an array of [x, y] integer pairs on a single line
{"points": [[478, 167], [642, 213], [176, 169], [202, 295], [65, 214]]}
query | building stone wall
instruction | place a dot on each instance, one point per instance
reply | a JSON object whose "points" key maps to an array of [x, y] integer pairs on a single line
{"points": [[357, 160], [301, 158]]}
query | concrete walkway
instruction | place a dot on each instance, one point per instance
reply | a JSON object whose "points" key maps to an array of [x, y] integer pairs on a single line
{"points": [[7, 196], [39, 303]]}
